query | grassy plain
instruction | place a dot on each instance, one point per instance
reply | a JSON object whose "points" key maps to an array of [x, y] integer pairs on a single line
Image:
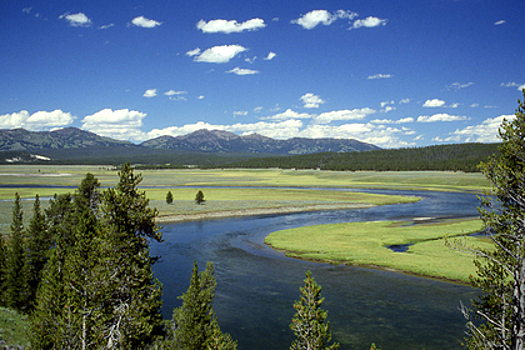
{"points": [[366, 244], [13, 328]]}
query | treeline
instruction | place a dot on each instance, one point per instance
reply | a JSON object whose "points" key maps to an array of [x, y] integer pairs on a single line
{"points": [[82, 271], [457, 157]]}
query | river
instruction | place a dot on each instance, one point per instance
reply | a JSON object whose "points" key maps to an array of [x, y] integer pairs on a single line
{"points": [[258, 286]]}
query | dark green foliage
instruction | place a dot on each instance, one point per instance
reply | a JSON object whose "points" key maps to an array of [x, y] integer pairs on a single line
{"points": [[502, 271], [194, 325], [38, 247], [460, 157], [16, 278], [169, 198], [133, 295], [199, 197], [309, 323]]}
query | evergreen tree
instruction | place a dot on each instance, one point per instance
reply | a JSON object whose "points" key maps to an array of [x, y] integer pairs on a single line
{"points": [[199, 197], [133, 295], [3, 251], [169, 198], [309, 323], [194, 325], [38, 247], [501, 272], [16, 279]]}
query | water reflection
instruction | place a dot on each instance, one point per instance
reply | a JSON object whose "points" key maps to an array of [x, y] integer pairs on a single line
{"points": [[257, 285]]}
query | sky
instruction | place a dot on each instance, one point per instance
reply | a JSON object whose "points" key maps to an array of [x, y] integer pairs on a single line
{"points": [[393, 73]]}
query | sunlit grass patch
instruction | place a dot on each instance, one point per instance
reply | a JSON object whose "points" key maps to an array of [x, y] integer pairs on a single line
{"points": [[366, 243], [13, 327]]}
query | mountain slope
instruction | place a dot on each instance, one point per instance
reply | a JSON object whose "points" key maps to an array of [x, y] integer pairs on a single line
{"points": [[227, 142]]}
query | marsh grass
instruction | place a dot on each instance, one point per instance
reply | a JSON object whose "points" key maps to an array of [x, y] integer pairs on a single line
{"points": [[366, 244]]}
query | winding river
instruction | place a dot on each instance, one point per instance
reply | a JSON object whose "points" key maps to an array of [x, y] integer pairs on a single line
{"points": [[258, 286]]}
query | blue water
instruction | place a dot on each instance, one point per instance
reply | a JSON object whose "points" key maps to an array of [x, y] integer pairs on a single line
{"points": [[258, 286]]}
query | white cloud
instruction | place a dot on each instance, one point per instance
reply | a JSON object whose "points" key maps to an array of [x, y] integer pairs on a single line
{"points": [[150, 93], [250, 60], [380, 76], [458, 86], [118, 124], [355, 114], [433, 103], [311, 101], [500, 22], [258, 109], [201, 97], [390, 121], [173, 92], [289, 115], [107, 26], [512, 84], [194, 52], [243, 71], [369, 22], [388, 109], [316, 17], [474, 105], [36, 121], [144, 22], [224, 26], [270, 56], [484, 132], [443, 117], [405, 101], [386, 103], [77, 19], [216, 54], [243, 113]]}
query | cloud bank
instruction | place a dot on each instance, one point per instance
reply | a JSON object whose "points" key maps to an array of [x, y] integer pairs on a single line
{"points": [[224, 26]]}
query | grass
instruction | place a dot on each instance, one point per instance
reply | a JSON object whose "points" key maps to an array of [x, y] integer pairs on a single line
{"points": [[365, 244], [13, 327], [420, 180]]}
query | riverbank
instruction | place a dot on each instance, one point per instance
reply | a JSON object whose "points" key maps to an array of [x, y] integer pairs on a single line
{"points": [[258, 211], [417, 247]]}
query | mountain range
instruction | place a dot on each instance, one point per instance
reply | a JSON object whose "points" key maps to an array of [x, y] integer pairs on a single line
{"points": [[76, 143]]}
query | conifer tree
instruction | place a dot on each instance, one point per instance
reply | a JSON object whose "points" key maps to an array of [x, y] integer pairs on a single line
{"points": [[194, 325], [199, 197], [169, 198], [38, 247], [501, 272], [133, 294], [16, 279], [309, 323]]}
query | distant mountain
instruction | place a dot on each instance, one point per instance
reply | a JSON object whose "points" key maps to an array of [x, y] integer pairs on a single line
{"points": [[227, 142], [23, 140]]}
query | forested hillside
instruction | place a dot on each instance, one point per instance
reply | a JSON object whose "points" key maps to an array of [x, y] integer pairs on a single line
{"points": [[458, 157]]}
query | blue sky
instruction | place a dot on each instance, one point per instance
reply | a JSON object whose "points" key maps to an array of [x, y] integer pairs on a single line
{"points": [[394, 73]]}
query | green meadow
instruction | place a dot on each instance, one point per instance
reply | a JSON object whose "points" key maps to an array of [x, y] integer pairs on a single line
{"points": [[366, 244]]}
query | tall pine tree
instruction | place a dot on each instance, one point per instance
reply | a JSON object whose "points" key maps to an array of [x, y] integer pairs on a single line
{"points": [[309, 323], [16, 279], [194, 325], [134, 295]]}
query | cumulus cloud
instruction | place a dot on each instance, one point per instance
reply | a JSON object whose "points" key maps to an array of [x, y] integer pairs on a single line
{"points": [[150, 93], [176, 95], [443, 117], [243, 71], [311, 101], [118, 124], [144, 22], [316, 17], [224, 26], [270, 56], [76, 19], [216, 54], [369, 22], [380, 76], [434, 103], [484, 132], [355, 114], [41, 120], [288, 115]]}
